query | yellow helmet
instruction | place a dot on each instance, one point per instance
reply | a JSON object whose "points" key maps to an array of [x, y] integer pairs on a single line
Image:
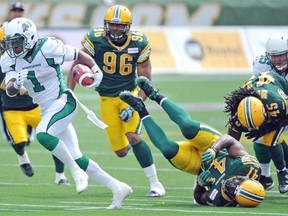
{"points": [[117, 22], [243, 191], [250, 193], [251, 112], [2, 45]]}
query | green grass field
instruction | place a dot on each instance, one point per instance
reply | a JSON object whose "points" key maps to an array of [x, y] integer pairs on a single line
{"points": [[202, 96]]}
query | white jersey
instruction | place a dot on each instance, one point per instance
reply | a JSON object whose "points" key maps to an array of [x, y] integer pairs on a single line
{"points": [[45, 81], [262, 64]]}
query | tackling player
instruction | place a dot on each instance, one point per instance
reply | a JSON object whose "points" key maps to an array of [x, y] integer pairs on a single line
{"points": [[35, 63], [222, 170], [275, 60], [122, 55], [259, 109]]}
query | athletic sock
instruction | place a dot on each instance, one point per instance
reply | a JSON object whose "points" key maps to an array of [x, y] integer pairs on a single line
{"points": [[143, 154], [96, 173]]}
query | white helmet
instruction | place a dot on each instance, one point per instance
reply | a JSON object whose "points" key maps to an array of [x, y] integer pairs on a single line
{"points": [[277, 50], [21, 36]]}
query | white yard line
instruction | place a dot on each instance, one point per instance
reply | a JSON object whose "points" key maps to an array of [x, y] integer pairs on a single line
{"points": [[134, 207]]}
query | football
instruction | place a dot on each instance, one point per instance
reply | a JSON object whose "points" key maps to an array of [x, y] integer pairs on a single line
{"points": [[81, 75]]}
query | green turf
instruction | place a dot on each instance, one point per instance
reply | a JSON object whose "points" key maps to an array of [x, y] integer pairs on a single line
{"points": [[201, 95]]}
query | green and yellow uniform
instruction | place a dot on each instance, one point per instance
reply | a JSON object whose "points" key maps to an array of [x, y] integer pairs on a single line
{"points": [[19, 112], [118, 64], [224, 167], [184, 155], [273, 90]]}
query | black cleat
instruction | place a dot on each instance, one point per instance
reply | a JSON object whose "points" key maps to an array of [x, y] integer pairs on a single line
{"points": [[267, 182], [135, 102], [27, 169], [145, 84], [283, 181]]}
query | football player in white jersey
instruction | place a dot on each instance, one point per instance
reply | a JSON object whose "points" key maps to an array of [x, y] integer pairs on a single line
{"points": [[276, 60], [35, 63]]}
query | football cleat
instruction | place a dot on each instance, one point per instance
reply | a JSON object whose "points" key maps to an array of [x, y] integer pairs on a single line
{"points": [[62, 181], [267, 182], [119, 196], [283, 181], [81, 181], [27, 169], [135, 102], [156, 190], [145, 84]]}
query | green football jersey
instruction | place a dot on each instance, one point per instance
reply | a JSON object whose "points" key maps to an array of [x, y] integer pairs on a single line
{"points": [[224, 167], [118, 64], [273, 90], [19, 102]]}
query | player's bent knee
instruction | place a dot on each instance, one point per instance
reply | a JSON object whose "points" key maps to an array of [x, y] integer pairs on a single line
{"points": [[122, 152], [133, 138]]}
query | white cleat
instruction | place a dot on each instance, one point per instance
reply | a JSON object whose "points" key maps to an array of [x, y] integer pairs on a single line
{"points": [[156, 190], [120, 195], [81, 181]]}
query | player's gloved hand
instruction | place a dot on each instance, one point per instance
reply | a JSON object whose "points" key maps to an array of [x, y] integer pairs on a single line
{"points": [[97, 76], [263, 129], [126, 114], [208, 156], [205, 178], [21, 77], [253, 134]]}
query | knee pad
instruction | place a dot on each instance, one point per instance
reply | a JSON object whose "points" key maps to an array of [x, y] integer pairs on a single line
{"points": [[48, 141], [83, 162]]}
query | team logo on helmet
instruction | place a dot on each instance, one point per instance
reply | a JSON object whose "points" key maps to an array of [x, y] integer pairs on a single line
{"points": [[20, 37]]}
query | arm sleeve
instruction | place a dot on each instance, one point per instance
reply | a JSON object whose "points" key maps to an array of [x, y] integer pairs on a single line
{"points": [[55, 49], [71, 53]]}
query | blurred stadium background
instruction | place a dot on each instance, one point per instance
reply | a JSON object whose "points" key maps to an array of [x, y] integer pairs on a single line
{"points": [[202, 50]]}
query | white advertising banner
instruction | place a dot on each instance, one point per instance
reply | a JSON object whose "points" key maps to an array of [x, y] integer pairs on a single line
{"points": [[208, 50]]}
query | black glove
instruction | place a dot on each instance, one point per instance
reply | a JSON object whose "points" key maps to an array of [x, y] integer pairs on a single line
{"points": [[254, 134], [263, 129]]}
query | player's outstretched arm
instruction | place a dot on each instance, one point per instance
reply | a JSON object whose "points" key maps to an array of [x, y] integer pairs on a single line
{"points": [[234, 147]]}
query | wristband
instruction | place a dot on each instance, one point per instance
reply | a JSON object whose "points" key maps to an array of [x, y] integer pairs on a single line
{"points": [[214, 149], [95, 68]]}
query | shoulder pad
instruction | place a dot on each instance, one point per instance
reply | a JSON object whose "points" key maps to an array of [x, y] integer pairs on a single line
{"points": [[261, 64]]}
